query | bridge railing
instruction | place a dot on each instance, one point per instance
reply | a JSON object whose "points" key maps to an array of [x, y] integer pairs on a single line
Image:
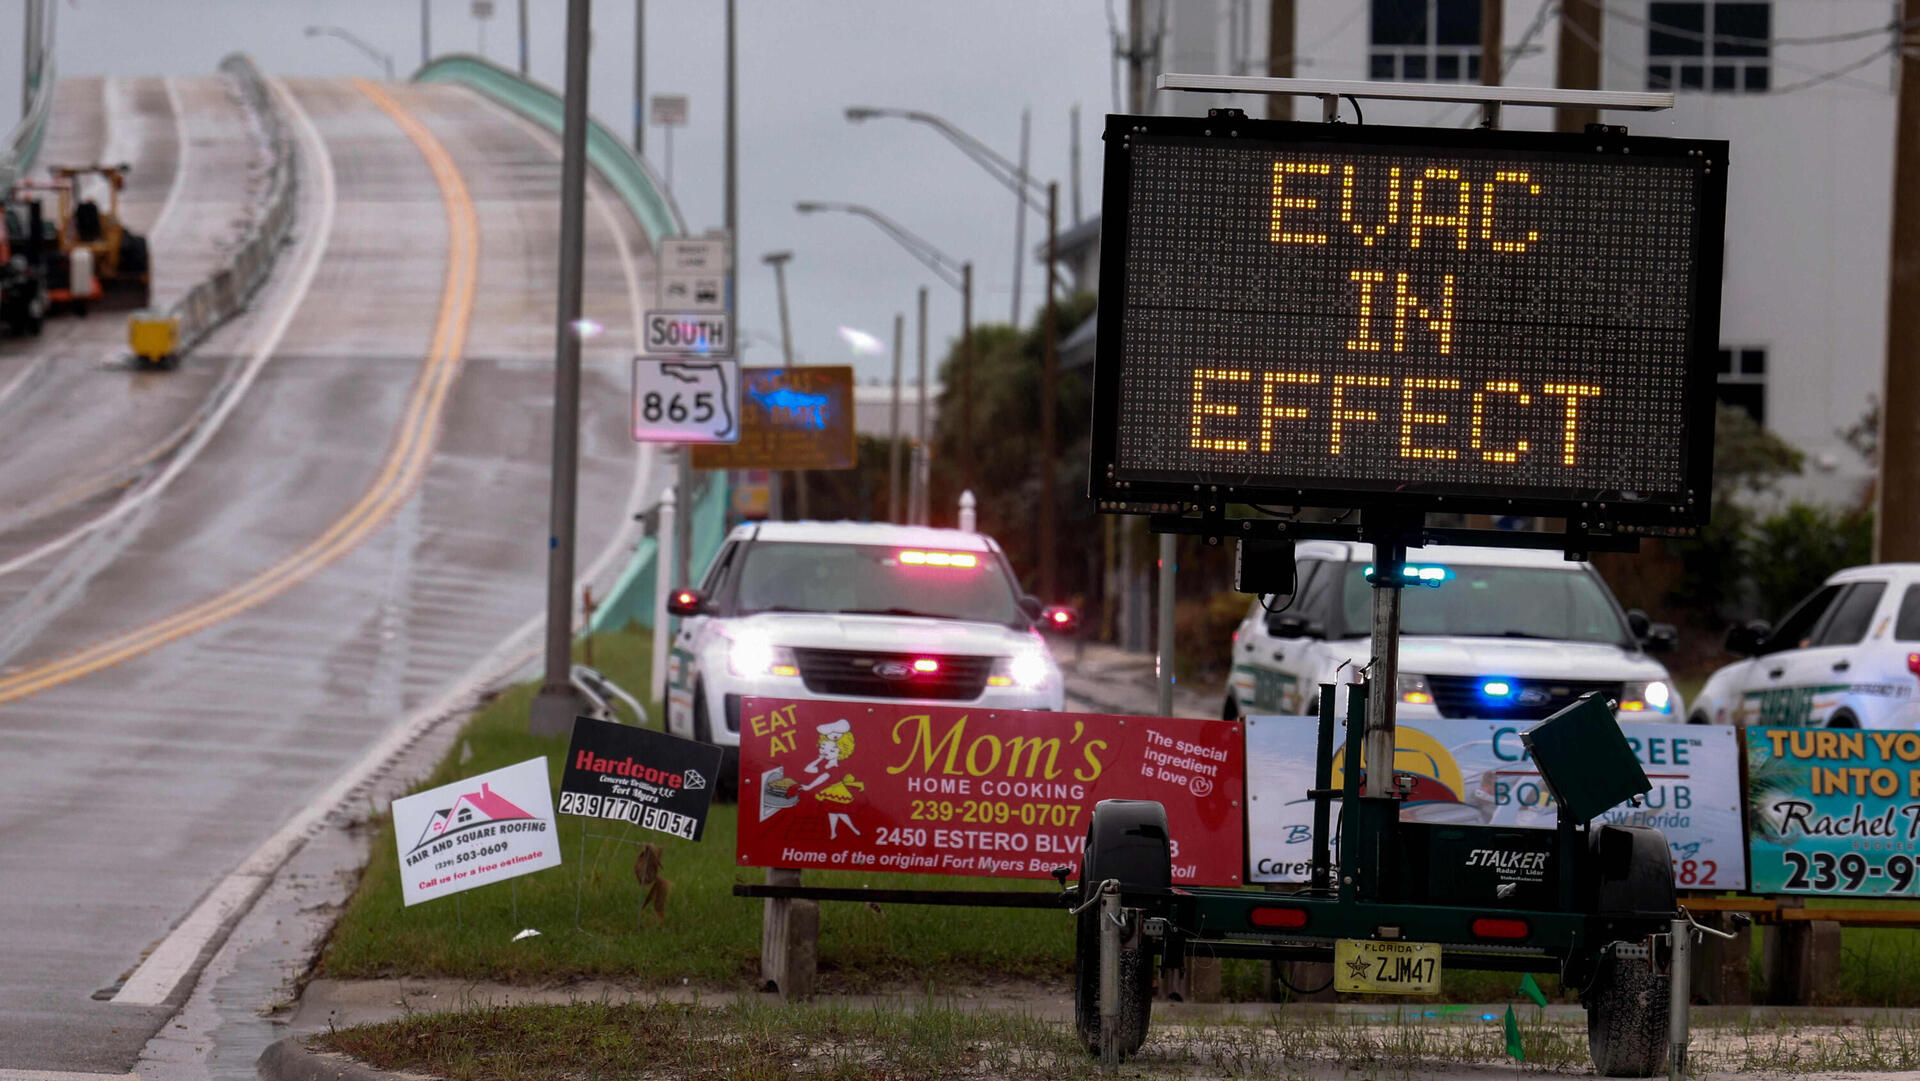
{"points": [[22, 144], [631, 600]]}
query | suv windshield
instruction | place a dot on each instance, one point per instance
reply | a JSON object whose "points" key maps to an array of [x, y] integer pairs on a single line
{"points": [[877, 580], [1496, 602]]}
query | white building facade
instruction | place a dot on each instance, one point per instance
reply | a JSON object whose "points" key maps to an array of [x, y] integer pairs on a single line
{"points": [[1803, 90]]}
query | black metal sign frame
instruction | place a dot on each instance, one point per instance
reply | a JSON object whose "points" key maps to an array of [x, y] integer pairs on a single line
{"points": [[1599, 509]]}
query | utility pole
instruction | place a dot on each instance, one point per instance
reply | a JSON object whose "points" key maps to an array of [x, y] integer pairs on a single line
{"points": [[893, 426], [426, 33], [523, 39], [1073, 151], [1897, 516], [1280, 47], [1140, 93], [966, 377], [640, 82], [1578, 65], [1020, 213], [1493, 46], [1049, 405], [557, 702]]}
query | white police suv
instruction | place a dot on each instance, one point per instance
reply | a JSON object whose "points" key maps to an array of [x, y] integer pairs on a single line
{"points": [[1494, 633], [856, 610], [1846, 656]]}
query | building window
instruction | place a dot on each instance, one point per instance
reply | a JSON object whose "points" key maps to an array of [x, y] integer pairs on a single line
{"points": [[1425, 41], [1743, 381], [1718, 47]]}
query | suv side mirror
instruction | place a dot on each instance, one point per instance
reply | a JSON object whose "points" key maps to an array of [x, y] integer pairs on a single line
{"points": [[1293, 625], [1059, 619], [1748, 639], [1661, 638], [1638, 623], [686, 602], [1031, 606]]}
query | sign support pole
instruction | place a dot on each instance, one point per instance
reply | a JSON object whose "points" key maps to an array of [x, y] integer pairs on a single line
{"points": [[557, 703], [1389, 558]]}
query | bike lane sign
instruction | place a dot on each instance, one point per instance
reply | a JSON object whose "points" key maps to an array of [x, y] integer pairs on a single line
{"points": [[686, 400]]}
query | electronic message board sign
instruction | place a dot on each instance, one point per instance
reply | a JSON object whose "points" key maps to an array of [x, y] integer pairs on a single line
{"points": [[1430, 319]]}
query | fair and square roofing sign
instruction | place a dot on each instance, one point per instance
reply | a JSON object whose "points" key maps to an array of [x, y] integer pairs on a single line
{"points": [[485, 829]]}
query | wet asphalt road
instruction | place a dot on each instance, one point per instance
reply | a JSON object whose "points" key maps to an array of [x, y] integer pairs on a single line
{"points": [[357, 578]]}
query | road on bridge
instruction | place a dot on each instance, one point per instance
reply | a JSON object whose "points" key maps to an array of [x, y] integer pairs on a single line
{"points": [[208, 614]]}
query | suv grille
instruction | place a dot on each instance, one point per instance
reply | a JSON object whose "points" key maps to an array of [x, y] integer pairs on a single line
{"points": [[852, 673], [1531, 700]]}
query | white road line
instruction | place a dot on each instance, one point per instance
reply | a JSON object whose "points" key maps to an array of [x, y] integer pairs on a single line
{"points": [[56, 1075], [315, 149], [182, 156], [173, 959]]}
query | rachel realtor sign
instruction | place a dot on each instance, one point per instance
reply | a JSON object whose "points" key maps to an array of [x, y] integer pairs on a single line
{"points": [[1008, 793], [1478, 773], [485, 829], [1834, 811]]}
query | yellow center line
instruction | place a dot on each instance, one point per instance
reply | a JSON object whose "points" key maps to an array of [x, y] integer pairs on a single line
{"points": [[401, 473]]}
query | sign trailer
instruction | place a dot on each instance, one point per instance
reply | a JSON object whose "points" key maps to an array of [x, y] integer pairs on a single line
{"points": [[1397, 321]]}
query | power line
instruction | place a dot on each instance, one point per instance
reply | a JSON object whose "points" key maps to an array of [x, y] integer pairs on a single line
{"points": [[1840, 72]]}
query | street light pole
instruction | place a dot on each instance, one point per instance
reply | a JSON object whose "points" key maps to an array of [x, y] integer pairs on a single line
{"points": [[966, 377], [426, 34], [523, 39], [893, 426], [918, 514], [640, 83], [383, 59], [1020, 213], [1049, 400], [556, 704], [778, 261]]}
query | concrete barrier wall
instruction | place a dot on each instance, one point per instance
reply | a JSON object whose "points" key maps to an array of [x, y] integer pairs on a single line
{"points": [[631, 600], [224, 293]]}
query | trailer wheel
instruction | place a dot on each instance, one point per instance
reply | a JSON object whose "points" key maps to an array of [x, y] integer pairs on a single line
{"points": [[1126, 840], [1627, 1019]]}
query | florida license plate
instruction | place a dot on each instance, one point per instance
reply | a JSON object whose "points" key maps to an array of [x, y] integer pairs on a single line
{"points": [[1386, 968]]}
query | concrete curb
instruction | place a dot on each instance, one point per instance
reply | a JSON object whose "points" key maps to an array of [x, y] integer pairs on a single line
{"points": [[291, 1060]]}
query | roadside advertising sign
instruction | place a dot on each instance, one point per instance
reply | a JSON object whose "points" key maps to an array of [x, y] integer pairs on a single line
{"points": [[790, 418], [686, 401], [1005, 793], [1834, 811], [651, 779], [1477, 773], [485, 829]]}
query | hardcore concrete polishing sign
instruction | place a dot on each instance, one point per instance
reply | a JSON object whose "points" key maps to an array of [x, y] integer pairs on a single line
{"points": [[484, 829], [1007, 793], [637, 775]]}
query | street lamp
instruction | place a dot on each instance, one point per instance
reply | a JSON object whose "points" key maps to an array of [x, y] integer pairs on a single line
{"points": [[385, 60], [955, 273], [1045, 199], [778, 261]]}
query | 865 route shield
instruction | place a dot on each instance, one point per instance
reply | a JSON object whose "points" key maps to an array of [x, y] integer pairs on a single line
{"points": [[1003, 793]]}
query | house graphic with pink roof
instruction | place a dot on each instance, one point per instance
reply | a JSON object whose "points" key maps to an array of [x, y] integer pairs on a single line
{"points": [[469, 810]]}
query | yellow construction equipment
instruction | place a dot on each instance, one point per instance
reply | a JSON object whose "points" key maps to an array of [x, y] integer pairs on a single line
{"points": [[100, 260]]}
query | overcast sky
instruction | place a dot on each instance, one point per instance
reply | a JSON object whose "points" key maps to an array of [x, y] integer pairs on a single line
{"points": [[801, 62]]}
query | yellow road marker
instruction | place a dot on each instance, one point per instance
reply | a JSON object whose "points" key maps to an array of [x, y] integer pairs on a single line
{"points": [[405, 465]]}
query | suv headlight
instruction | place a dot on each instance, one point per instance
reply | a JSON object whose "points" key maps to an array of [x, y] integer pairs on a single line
{"points": [[1414, 690], [1653, 696], [753, 655], [1029, 670]]}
